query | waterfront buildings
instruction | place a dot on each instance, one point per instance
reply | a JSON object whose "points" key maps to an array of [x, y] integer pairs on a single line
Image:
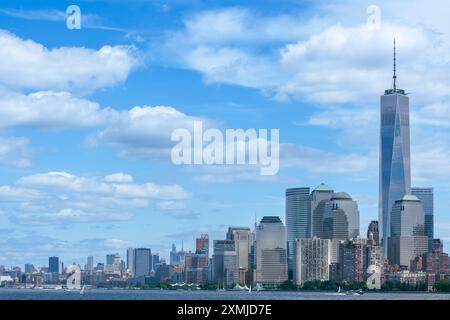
{"points": [[270, 251], [312, 260]]}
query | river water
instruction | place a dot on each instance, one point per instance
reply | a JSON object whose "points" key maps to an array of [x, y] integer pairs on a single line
{"points": [[103, 294]]}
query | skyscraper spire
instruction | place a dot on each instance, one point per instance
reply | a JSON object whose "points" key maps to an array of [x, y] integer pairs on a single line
{"points": [[394, 78]]}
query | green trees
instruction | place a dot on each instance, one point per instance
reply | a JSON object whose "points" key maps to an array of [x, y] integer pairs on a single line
{"points": [[442, 285]]}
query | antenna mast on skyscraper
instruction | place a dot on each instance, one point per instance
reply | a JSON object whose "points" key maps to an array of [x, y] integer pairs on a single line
{"points": [[395, 70]]}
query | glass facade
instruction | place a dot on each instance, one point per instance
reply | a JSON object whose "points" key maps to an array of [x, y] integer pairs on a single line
{"points": [[426, 197], [395, 166], [298, 220]]}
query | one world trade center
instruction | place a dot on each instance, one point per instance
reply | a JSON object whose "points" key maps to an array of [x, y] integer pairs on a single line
{"points": [[395, 159]]}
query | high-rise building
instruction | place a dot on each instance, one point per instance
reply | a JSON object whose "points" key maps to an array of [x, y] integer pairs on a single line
{"points": [[225, 270], [242, 237], [110, 258], [373, 232], [319, 197], [173, 255], [395, 163], [90, 263], [373, 256], [155, 262], [407, 240], [29, 268], [313, 257], [270, 251], [142, 262], [202, 245], [195, 263], [341, 221], [351, 261], [130, 260], [298, 221], [53, 265], [426, 197]]}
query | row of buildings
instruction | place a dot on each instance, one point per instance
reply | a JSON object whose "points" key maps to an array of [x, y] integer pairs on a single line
{"points": [[321, 239]]}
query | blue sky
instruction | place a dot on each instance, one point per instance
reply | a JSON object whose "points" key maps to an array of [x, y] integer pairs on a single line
{"points": [[86, 115]]}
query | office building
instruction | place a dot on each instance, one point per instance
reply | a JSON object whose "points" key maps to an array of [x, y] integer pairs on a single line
{"points": [[408, 238], [130, 260], [195, 263], [351, 261], [155, 262], [90, 263], [373, 232], [341, 221], [298, 220], [242, 237], [270, 252], [202, 245], [319, 198], [224, 269], [395, 159], [53, 265], [426, 197], [142, 262], [313, 257]]}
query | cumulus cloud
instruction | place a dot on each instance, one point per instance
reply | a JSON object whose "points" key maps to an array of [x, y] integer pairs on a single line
{"points": [[144, 132], [29, 65], [61, 197], [51, 110], [314, 59]]}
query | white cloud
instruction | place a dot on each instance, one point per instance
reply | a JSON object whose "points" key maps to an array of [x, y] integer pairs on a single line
{"points": [[314, 59], [144, 132], [51, 110], [29, 65], [437, 114], [15, 151], [61, 197], [119, 177]]}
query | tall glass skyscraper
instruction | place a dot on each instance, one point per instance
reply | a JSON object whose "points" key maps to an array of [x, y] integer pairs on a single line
{"points": [[426, 197], [298, 221], [395, 166]]}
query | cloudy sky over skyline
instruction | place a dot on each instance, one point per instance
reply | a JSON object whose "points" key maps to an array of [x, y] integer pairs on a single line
{"points": [[86, 115]]}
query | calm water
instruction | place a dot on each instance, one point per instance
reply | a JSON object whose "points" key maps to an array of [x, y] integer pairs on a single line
{"points": [[99, 294]]}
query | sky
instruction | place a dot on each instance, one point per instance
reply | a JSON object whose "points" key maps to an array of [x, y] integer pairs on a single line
{"points": [[86, 115]]}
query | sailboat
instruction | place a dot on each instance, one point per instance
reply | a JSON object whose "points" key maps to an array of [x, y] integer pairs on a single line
{"points": [[83, 290], [221, 289]]}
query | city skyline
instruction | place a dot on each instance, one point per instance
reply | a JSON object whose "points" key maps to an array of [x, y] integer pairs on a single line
{"points": [[84, 166]]}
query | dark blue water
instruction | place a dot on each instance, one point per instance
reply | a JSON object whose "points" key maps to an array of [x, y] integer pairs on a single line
{"points": [[99, 294]]}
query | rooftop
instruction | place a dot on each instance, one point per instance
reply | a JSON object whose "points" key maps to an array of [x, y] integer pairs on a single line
{"points": [[408, 197], [270, 219], [341, 196], [323, 188]]}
